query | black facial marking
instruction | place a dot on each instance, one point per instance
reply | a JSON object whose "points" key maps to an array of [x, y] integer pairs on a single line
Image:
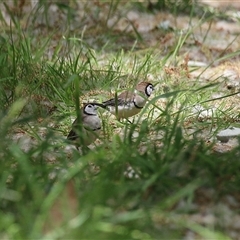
{"points": [[146, 92]]}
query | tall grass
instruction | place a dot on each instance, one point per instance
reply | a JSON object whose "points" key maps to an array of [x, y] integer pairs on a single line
{"points": [[132, 183]]}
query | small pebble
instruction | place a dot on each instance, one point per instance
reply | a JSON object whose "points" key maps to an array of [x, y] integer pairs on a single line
{"points": [[228, 133]]}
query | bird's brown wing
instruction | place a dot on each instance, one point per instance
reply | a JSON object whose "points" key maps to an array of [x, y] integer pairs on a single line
{"points": [[122, 99], [76, 128], [72, 135]]}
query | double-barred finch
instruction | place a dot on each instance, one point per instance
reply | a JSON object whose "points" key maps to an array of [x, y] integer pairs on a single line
{"points": [[129, 103], [84, 132]]}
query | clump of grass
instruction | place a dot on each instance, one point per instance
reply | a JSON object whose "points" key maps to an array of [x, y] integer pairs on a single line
{"points": [[132, 184]]}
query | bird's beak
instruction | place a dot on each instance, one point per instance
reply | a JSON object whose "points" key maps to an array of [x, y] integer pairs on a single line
{"points": [[95, 107]]}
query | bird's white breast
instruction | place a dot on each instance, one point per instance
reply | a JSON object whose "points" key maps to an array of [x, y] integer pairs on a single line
{"points": [[124, 111], [93, 122]]}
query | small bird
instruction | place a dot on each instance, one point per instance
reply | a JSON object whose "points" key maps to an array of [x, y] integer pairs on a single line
{"points": [[129, 103], [84, 132]]}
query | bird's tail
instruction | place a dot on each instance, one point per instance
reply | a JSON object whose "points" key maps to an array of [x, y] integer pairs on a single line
{"points": [[99, 105]]}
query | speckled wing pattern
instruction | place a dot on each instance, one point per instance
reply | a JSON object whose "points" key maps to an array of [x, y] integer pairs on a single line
{"points": [[123, 99], [72, 134], [88, 132]]}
